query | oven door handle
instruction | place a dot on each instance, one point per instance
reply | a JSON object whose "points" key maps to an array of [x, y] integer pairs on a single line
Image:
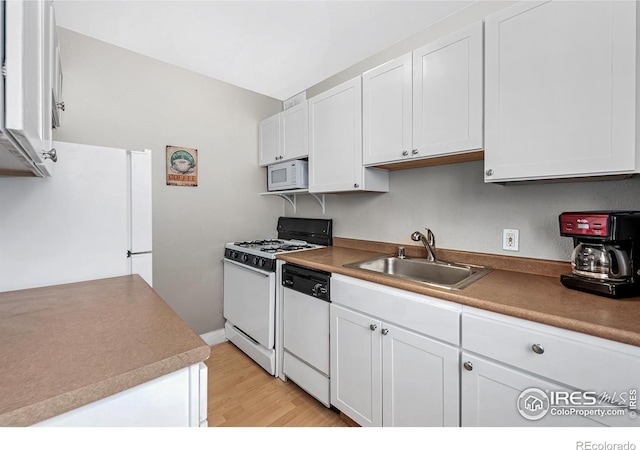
{"points": [[250, 269]]}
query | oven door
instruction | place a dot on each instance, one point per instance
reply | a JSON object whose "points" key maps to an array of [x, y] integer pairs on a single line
{"points": [[250, 300]]}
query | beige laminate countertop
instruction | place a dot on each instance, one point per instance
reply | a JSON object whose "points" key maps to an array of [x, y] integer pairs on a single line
{"points": [[64, 346], [538, 298]]}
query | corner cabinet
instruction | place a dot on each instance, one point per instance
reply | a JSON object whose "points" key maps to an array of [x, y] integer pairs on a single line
{"points": [[335, 143], [383, 374], [426, 104], [28, 88], [561, 94], [284, 136]]}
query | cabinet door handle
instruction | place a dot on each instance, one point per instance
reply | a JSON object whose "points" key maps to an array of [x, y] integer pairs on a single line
{"points": [[414, 151], [468, 365], [60, 105], [373, 327], [51, 154], [489, 172], [537, 348], [385, 331], [405, 153], [356, 185]]}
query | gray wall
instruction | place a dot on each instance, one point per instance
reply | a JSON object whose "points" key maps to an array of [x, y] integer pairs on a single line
{"points": [[117, 98], [463, 212]]}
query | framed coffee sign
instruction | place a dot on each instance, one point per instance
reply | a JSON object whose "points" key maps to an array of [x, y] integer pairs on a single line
{"points": [[182, 166]]}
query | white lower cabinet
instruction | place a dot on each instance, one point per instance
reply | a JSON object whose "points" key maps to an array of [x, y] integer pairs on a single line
{"points": [[490, 393], [404, 359], [386, 375], [515, 372], [419, 380], [356, 366], [178, 399]]}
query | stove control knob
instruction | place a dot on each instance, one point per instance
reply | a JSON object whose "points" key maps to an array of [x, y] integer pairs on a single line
{"points": [[262, 262], [254, 261], [245, 257], [234, 255]]}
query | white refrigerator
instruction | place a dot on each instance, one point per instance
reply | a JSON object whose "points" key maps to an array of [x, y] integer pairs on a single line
{"points": [[90, 220]]}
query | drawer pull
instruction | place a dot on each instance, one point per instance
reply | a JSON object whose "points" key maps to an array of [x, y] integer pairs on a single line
{"points": [[537, 348], [373, 327], [385, 331], [467, 365]]}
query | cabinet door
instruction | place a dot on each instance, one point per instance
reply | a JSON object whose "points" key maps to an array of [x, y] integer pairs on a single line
{"points": [[294, 132], [386, 112], [447, 94], [55, 70], [48, 49], [356, 358], [420, 380], [490, 395], [335, 139], [26, 73], [560, 92], [269, 140]]}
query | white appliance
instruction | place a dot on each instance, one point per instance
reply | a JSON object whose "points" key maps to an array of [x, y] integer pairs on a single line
{"points": [[252, 304], [288, 175], [305, 299], [91, 220]]}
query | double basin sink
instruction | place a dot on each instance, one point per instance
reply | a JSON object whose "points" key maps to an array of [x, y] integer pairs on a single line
{"points": [[434, 273]]}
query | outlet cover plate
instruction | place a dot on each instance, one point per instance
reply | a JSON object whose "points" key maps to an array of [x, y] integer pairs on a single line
{"points": [[510, 240]]}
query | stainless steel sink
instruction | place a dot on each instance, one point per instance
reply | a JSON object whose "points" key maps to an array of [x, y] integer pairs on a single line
{"points": [[436, 273]]}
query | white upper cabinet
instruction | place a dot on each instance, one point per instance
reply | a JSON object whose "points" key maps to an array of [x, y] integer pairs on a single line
{"points": [[25, 80], [427, 103], [269, 140], [386, 111], [294, 132], [561, 90], [335, 143], [284, 136], [26, 107], [447, 94]]}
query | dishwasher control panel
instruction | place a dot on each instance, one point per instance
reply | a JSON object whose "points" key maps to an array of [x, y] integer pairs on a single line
{"points": [[315, 283]]}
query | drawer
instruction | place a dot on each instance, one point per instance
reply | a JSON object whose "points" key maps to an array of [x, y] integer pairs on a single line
{"points": [[577, 360], [426, 315]]}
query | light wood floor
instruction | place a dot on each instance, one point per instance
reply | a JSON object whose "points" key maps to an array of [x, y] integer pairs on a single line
{"points": [[242, 394]]}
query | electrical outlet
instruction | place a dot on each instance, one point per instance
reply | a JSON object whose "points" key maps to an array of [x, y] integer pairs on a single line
{"points": [[510, 240]]}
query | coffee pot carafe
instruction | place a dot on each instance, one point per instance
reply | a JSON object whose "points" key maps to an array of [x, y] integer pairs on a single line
{"points": [[604, 262], [606, 255]]}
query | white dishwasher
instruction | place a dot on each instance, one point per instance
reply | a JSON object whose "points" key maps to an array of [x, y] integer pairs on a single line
{"points": [[306, 299]]}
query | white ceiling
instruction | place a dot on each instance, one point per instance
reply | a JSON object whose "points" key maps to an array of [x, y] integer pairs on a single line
{"points": [[276, 48]]}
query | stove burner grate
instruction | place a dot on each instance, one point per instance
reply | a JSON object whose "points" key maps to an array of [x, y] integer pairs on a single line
{"points": [[258, 242]]}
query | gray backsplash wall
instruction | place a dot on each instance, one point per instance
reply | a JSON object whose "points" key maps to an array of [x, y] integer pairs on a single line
{"points": [[465, 213]]}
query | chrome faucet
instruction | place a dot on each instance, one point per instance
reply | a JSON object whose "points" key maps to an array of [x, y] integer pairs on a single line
{"points": [[429, 242]]}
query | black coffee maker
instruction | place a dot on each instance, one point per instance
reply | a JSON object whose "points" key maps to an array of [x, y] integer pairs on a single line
{"points": [[606, 254]]}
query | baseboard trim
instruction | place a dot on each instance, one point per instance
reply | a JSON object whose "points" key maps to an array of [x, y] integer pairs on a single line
{"points": [[214, 337]]}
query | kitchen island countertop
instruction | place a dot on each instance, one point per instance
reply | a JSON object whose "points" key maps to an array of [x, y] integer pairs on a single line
{"points": [[536, 297], [64, 346]]}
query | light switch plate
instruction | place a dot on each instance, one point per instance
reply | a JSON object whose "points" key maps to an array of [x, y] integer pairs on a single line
{"points": [[510, 239]]}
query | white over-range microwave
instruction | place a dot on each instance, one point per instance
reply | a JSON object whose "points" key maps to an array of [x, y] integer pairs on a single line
{"points": [[288, 175]]}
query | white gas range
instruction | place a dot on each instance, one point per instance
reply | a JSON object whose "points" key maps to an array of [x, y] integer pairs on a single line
{"points": [[253, 292]]}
